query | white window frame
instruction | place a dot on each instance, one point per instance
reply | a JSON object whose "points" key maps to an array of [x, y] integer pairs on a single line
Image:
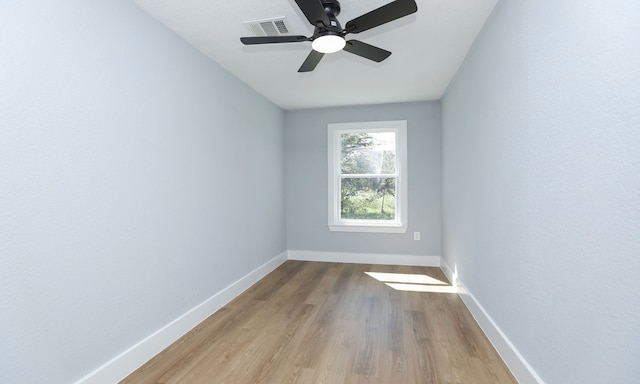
{"points": [[334, 149]]}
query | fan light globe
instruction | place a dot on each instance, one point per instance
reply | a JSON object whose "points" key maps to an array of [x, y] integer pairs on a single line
{"points": [[328, 44]]}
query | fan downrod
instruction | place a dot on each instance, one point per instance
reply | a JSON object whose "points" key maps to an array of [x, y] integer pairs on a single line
{"points": [[331, 7]]}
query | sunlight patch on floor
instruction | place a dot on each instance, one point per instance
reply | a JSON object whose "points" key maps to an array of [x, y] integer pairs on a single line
{"points": [[423, 288], [405, 278], [413, 282]]}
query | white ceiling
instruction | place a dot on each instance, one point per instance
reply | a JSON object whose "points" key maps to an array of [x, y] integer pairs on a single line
{"points": [[427, 49]]}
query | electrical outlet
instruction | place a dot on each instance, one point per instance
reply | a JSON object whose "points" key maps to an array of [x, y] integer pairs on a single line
{"points": [[416, 235]]}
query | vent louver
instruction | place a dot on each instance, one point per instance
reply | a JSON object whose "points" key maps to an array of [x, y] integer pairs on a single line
{"points": [[268, 27]]}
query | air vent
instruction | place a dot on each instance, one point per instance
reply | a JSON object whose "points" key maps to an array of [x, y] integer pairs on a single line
{"points": [[269, 27]]}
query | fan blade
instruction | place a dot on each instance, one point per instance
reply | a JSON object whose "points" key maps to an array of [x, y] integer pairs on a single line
{"points": [[311, 61], [314, 12], [365, 50], [386, 13], [272, 39]]}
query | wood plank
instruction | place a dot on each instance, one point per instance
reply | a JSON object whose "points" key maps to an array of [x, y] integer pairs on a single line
{"points": [[309, 322]]}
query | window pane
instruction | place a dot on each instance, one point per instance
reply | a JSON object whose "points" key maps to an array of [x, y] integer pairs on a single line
{"points": [[368, 153], [368, 198]]}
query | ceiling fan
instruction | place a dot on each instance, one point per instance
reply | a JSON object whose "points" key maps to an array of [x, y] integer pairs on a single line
{"points": [[328, 36]]}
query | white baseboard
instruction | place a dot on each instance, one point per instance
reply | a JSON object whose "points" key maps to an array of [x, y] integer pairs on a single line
{"points": [[451, 275], [365, 258], [518, 366], [124, 364]]}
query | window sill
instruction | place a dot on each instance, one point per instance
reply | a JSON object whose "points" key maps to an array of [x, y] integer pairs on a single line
{"points": [[368, 228]]}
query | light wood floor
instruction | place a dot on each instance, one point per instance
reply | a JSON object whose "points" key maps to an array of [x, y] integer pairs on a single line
{"points": [[310, 322]]}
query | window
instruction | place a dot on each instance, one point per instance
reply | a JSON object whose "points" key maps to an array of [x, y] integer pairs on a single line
{"points": [[368, 177]]}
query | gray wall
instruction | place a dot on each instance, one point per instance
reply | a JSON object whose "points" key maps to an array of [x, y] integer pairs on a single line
{"points": [[134, 184], [541, 132], [306, 180]]}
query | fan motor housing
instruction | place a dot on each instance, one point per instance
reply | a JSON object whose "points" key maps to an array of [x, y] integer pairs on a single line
{"points": [[332, 9]]}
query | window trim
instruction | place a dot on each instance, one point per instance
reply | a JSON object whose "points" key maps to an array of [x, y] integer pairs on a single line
{"points": [[334, 153]]}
